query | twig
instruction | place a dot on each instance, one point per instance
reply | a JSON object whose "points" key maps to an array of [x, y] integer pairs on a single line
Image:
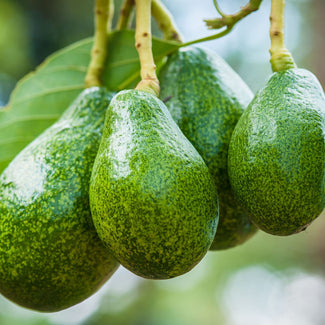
{"points": [[125, 14], [165, 21], [160, 13], [149, 81], [99, 50], [281, 58], [230, 20]]}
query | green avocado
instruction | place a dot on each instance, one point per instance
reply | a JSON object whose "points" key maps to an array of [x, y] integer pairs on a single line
{"points": [[152, 198], [277, 153], [206, 98], [50, 255]]}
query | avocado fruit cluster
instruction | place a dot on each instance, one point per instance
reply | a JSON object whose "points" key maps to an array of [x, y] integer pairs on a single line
{"points": [[130, 179], [276, 161], [50, 255], [206, 98]]}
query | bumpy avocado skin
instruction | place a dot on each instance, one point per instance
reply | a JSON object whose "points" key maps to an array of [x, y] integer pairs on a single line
{"points": [[206, 98], [277, 153], [152, 198], [50, 255]]}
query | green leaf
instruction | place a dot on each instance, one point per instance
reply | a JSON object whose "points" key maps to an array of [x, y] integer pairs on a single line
{"points": [[41, 96]]}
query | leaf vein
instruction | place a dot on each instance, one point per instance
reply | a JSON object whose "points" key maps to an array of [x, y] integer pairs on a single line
{"points": [[29, 118], [50, 91]]}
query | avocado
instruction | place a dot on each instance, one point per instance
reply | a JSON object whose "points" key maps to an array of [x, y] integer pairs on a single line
{"points": [[152, 198], [206, 97], [50, 255], [277, 153]]}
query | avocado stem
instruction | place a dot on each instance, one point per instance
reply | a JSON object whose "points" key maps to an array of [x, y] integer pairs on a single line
{"points": [[111, 10], [228, 21], [159, 12], [125, 17], [281, 58], [143, 43], [231, 20], [99, 49], [165, 21]]}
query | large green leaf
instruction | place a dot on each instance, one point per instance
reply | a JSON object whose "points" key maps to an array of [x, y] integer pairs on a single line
{"points": [[41, 96]]}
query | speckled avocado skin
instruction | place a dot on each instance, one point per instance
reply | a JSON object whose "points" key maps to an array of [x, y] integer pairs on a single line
{"points": [[206, 98], [152, 198], [50, 255], [277, 153]]}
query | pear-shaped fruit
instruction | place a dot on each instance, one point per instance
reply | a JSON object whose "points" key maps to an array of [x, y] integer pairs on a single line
{"points": [[50, 255], [277, 153], [206, 97], [153, 201]]}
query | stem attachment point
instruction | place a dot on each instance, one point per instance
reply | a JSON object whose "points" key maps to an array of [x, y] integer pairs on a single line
{"points": [[282, 60]]}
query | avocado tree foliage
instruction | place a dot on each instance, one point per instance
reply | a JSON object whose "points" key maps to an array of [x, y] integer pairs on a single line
{"points": [[62, 74]]}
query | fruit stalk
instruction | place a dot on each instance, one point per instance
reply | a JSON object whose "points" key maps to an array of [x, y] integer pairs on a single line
{"points": [[111, 10], [159, 12], [281, 58], [165, 21], [227, 21], [149, 81], [231, 20], [125, 15], [99, 50]]}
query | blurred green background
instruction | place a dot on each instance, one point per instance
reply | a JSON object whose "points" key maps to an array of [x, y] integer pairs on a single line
{"points": [[267, 280]]}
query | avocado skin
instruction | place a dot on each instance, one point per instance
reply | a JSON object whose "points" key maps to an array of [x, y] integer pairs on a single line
{"points": [[277, 153], [153, 201], [50, 255], [206, 97]]}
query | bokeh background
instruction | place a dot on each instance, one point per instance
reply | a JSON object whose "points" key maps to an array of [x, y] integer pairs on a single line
{"points": [[268, 280]]}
